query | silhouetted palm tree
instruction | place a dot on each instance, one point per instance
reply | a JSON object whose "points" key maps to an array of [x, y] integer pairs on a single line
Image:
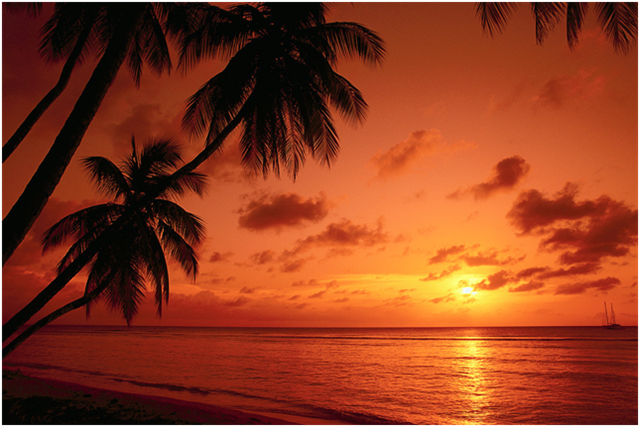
{"points": [[279, 84], [619, 21], [121, 264], [291, 39], [132, 32]]}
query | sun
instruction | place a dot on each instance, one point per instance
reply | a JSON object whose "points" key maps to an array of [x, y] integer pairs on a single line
{"points": [[468, 290]]}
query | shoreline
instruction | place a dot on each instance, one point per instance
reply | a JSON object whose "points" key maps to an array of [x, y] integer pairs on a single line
{"points": [[34, 400]]}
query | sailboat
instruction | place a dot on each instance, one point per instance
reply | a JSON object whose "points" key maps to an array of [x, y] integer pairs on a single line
{"points": [[610, 322]]}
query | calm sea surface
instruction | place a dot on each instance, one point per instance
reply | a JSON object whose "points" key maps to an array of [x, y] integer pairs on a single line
{"points": [[576, 375]]}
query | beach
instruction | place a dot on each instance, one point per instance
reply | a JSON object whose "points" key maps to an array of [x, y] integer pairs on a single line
{"points": [[32, 400]]}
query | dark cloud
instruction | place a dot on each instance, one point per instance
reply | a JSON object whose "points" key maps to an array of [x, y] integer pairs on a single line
{"points": [[292, 266], [488, 258], [344, 234], [299, 283], [420, 144], [586, 268], [506, 175], [528, 272], [527, 287], [317, 294], [444, 273], [247, 290], [494, 281], [219, 257], [263, 257], [447, 298], [443, 254], [282, 210], [583, 231], [605, 284]]}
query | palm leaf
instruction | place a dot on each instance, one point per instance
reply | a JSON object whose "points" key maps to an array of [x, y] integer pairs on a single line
{"points": [[494, 16], [619, 22]]}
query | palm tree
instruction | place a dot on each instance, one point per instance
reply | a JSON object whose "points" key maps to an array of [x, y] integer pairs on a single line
{"points": [[279, 84], [301, 119], [124, 31], [619, 21], [121, 267]]}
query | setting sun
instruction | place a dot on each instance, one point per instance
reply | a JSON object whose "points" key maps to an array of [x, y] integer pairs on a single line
{"points": [[468, 290]]}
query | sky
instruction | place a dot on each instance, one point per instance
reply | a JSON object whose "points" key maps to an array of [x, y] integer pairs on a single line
{"points": [[494, 183]]}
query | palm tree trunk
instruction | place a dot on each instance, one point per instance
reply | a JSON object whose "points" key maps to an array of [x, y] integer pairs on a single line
{"points": [[35, 196], [23, 316], [85, 299], [207, 151], [57, 284], [9, 147]]}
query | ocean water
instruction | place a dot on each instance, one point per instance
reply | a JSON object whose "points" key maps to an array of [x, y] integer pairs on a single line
{"points": [[562, 375]]}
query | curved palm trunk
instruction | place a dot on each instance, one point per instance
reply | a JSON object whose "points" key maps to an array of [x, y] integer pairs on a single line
{"points": [[84, 300], [23, 316], [36, 304], [9, 147], [35, 196]]}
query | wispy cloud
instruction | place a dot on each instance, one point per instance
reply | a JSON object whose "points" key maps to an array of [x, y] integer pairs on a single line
{"points": [[421, 144]]}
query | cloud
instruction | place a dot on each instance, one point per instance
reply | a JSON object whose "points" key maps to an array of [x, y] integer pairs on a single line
{"points": [[247, 290], [443, 254], [488, 258], [494, 281], [282, 210], [529, 286], [398, 159], [343, 234], [557, 91], [292, 266], [507, 173], [605, 284], [447, 298], [583, 231], [219, 257], [586, 268], [263, 257], [444, 273]]}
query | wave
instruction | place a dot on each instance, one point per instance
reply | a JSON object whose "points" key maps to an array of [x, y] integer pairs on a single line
{"points": [[283, 406]]}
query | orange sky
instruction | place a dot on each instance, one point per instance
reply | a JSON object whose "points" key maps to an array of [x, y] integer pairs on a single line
{"points": [[492, 165]]}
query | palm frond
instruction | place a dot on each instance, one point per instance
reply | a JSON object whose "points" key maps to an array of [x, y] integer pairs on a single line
{"points": [[547, 15], [619, 22], [354, 41], [107, 177], [575, 19], [494, 16], [80, 223], [179, 249]]}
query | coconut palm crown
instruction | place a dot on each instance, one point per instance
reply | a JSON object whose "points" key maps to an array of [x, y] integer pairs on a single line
{"points": [[280, 80], [137, 254]]}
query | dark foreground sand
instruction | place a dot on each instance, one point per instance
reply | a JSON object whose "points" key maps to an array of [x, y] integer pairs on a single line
{"points": [[30, 400]]}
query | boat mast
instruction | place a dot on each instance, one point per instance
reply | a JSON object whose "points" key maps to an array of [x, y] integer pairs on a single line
{"points": [[606, 315], [613, 316]]}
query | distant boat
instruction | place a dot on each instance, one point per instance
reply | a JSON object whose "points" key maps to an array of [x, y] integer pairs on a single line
{"points": [[610, 322]]}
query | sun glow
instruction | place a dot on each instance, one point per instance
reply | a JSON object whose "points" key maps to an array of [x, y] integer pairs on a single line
{"points": [[468, 290]]}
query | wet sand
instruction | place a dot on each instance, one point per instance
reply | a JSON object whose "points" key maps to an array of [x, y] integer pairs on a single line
{"points": [[31, 400]]}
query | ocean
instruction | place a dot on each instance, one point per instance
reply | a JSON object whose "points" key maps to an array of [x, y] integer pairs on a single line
{"points": [[528, 375]]}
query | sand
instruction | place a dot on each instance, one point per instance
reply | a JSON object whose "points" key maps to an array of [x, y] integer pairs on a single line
{"points": [[31, 400]]}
